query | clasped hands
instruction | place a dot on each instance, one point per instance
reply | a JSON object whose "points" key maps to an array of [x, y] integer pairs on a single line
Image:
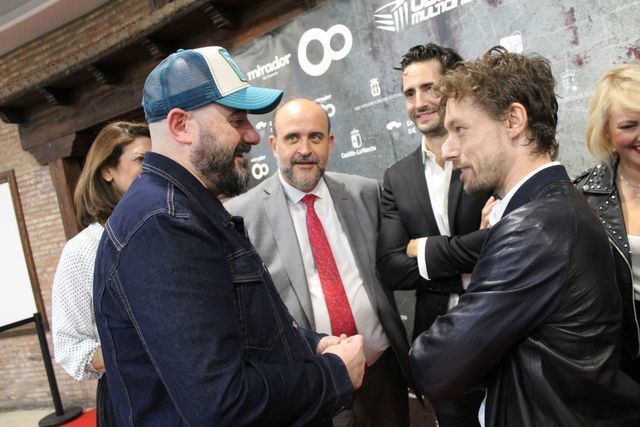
{"points": [[350, 350]]}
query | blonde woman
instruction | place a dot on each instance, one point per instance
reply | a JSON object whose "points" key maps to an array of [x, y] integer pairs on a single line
{"points": [[112, 164], [613, 190]]}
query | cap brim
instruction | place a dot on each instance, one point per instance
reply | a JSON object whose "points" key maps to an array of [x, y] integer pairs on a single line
{"points": [[255, 100]]}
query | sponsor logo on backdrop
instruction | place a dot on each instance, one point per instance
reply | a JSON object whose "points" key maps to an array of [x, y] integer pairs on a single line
{"points": [[376, 102], [357, 144], [374, 84], [399, 14], [328, 54], [264, 129], [329, 108], [393, 125], [270, 69], [356, 138], [259, 169]]}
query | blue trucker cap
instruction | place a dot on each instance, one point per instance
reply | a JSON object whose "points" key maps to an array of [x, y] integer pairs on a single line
{"points": [[193, 78]]}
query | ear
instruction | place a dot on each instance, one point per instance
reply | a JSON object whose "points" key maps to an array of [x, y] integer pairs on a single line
{"points": [[272, 143], [106, 175], [516, 120], [331, 143], [181, 126]]}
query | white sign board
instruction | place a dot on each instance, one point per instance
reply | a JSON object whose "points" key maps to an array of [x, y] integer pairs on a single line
{"points": [[16, 293]]}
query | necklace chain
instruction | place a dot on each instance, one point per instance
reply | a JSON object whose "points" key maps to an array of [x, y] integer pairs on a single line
{"points": [[632, 185]]}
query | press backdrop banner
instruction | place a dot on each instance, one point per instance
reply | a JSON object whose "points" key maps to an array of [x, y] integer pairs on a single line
{"points": [[343, 53]]}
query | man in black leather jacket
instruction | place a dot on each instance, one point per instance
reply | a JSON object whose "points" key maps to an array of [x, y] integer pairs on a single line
{"points": [[540, 322]]}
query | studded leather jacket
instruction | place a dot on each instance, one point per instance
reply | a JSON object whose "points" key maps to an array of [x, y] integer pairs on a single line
{"points": [[598, 185]]}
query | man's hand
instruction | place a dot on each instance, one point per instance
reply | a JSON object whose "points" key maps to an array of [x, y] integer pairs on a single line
{"points": [[486, 212], [328, 341], [351, 351], [412, 248]]}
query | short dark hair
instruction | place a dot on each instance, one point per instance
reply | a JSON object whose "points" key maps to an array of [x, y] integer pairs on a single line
{"points": [[447, 57], [498, 79]]}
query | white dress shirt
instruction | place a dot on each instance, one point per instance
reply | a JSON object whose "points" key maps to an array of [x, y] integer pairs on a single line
{"points": [[634, 245], [75, 336], [365, 316], [438, 182]]}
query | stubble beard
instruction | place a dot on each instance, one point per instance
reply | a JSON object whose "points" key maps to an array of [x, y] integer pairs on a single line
{"points": [[303, 183], [216, 165], [434, 129], [489, 174]]}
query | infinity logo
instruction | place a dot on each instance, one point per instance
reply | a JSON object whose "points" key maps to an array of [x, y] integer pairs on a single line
{"points": [[259, 170], [330, 109], [328, 54]]}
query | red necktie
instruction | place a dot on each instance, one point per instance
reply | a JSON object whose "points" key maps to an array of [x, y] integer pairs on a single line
{"points": [[334, 294]]}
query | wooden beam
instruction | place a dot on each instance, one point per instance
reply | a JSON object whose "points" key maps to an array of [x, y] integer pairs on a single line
{"points": [[156, 48], [101, 75], [310, 4], [54, 96], [72, 145], [11, 115], [99, 107], [64, 174], [220, 17]]}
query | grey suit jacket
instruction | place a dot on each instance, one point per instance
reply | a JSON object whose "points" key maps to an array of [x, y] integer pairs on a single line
{"points": [[270, 228]]}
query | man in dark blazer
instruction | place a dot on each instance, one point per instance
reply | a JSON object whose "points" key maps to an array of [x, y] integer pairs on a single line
{"points": [[277, 219], [540, 322], [422, 204]]}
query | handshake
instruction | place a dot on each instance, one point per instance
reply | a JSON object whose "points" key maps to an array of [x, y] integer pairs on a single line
{"points": [[350, 350]]}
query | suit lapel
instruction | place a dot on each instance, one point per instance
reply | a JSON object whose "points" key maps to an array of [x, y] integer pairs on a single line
{"points": [[455, 192], [284, 234], [418, 183], [347, 215], [347, 211]]}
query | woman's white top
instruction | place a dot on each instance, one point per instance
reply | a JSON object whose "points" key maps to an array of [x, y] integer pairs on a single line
{"points": [[634, 244], [75, 337]]}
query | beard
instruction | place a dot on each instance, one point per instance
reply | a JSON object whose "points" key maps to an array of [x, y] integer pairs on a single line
{"points": [[302, 181], [486, 174], [216, 165], [433, 128]]}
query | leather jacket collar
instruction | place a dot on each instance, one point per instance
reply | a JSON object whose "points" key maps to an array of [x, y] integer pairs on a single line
{"points": [[599, 187]]}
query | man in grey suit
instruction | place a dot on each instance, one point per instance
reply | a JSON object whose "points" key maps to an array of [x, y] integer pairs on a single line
{"points": [[317, 234]]}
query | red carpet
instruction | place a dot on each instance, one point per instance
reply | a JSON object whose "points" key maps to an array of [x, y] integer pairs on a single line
{"points": [[87, 419]]}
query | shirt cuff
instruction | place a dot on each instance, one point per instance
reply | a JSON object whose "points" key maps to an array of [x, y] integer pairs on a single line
{"points": [[422, 262], [89, 371]]}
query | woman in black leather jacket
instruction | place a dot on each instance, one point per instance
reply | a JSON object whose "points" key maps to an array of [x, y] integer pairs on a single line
{"points": [[613, 190]]}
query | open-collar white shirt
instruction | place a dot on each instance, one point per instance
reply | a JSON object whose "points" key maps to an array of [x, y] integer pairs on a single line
{"points": [[364, 314]]}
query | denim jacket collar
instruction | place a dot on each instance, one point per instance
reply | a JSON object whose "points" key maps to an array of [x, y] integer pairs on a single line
{"points": [[172, 171]]}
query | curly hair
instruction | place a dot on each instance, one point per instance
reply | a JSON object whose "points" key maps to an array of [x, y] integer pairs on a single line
{"points": [[619, 89], [498, 79], [94, 198], [447, 57]]}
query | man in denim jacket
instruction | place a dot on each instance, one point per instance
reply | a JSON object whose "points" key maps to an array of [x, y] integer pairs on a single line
{"points": [[192, 329]]}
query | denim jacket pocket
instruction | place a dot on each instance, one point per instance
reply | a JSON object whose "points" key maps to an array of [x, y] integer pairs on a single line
{"points": [[256, 304]]}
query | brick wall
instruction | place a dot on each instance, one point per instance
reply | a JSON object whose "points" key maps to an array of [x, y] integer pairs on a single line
{"points": [[79, 41], [23, 381]]}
